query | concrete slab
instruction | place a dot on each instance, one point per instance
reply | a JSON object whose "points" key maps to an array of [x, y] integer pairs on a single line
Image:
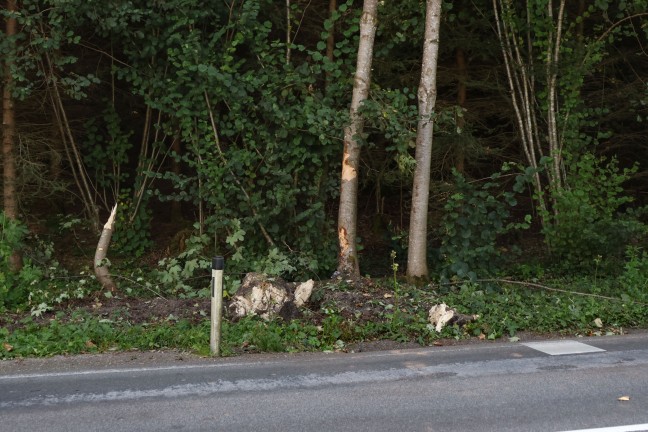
{"points": [[562, 347], [628, 428]]}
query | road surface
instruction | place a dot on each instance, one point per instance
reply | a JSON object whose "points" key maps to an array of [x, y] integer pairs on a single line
{"points": [[549, 386]]}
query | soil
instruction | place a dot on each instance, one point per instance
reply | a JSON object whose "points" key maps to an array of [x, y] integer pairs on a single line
{"points": [[361, 303]]}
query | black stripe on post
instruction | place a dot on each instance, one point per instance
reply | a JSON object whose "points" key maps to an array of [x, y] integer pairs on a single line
{"points": [[218, 263]]}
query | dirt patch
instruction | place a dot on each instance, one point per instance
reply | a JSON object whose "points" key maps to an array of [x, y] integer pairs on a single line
{"points": [[367, 302]]}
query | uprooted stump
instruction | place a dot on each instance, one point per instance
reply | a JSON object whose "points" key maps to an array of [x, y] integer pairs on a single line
{"points": [[267, 297], [441, 315]]}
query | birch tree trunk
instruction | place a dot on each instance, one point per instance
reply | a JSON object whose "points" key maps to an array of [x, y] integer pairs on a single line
{"points": [[348, 266], [417, 250], [10, 200], [521, 77]]}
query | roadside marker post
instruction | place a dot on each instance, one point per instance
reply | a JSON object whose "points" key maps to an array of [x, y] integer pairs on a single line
{"points": [[218, 265]]}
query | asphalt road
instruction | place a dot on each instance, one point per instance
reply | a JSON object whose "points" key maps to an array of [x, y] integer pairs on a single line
{"points": [[485, 387]]}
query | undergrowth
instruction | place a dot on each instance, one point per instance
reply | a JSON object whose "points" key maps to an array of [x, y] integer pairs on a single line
{"points": [[401, 314]]}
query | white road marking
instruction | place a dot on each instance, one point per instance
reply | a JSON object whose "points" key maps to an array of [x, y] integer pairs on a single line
{"points": [[311, 380], [424, 352], [107, 371], [562, 347], [628, 428]]}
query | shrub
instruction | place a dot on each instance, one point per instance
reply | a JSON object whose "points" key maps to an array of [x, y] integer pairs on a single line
{"points": [[586, 221], [14, 286], [475, 217]]}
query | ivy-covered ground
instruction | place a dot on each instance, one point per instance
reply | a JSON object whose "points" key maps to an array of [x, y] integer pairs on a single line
{"points": [[377, 314], [162, 300]]}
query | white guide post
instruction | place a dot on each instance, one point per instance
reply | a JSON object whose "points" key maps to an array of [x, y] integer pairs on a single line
{"points": [[218, 264]]}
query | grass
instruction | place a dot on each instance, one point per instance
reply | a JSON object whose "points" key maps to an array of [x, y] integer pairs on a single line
{"points": [[504, 310]]}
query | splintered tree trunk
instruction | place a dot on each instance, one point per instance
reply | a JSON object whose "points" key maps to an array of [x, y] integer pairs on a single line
{"points": [[101, 269], [417, 250], [348, 266], [10, 200]]}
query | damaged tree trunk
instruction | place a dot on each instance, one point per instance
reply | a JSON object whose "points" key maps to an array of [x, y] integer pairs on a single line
{"points": [[101, 269], [348, 266]]}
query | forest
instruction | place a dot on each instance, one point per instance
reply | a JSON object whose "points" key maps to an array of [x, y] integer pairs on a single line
{"points": [[430, 147]]}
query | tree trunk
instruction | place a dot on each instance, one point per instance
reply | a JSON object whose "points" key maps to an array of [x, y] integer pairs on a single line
{"points": [[176, 205], [330, 39], [101, 269], [522, 77], [348, 266], [553, 55], [288, 32], [417, 250], [10, 199], [462, 76]]}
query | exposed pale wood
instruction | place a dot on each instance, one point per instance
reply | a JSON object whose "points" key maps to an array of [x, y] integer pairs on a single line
{"points": [[348, 266], [101, 270]]}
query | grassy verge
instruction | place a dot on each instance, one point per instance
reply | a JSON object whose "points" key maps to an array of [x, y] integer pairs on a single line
{"points": [[398, 312]]}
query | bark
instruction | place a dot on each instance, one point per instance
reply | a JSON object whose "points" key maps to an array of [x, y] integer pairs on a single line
{"points": [[348, 266], [521, 79], [176, 206], [72, 151], [101, 270], [462, 76], [520, 76], [9, 193], [288, 32], [427, 92], [330, 40], [553, 55]]}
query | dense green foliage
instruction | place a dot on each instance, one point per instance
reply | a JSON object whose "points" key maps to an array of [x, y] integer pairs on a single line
{"points": [[473, 222], [13, 286], [512, 310], [218, 129], [588, 219]]}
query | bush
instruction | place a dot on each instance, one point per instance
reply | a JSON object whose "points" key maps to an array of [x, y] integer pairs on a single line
{"points": [[634, 279], [587, 221], [475, 217], [14, 286]]}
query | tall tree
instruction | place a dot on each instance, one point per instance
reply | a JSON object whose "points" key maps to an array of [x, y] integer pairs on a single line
{"points": [[10, 201], [519, 56], [348, 265], [427, 92]]}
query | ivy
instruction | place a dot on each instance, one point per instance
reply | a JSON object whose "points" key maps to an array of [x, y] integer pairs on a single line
{"points": [[476, 216], [588, 220], [14, 285]]}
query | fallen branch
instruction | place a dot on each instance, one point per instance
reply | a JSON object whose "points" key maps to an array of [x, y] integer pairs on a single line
{"points": [[544, 287], [101, 269]]}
